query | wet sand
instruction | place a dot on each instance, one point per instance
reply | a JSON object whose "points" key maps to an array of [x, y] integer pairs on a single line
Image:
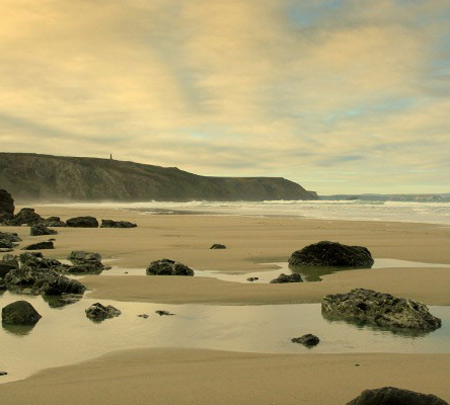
{"points": [[190, 376]]}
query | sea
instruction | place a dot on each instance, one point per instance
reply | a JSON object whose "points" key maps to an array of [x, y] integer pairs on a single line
{"points": [[396, 211]]}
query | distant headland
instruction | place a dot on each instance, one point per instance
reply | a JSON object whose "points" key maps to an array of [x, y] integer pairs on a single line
{"points": [[46, 178]]}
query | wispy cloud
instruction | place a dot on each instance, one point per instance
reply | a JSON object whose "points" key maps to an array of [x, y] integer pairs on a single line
{"points": [[283, 88]]}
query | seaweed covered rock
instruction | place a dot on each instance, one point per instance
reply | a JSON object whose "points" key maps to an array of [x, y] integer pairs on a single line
{"points": [[109, 223], [82, 222], [20, 313], [41, 230], [380, 309], [287, 278], [397, 396], [327, 253], [45, 281], [98, 312], [10, 237], [167, 267]]}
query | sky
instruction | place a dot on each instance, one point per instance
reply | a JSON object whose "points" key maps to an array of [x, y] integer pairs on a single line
{"points": [[341, 96]]}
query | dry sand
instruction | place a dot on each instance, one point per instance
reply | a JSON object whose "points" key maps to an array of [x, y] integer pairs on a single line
{"points": [[176, 376]]}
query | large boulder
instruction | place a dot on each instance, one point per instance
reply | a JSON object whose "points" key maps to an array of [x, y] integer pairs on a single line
{"points": [[167, 267], [37, 261], [82, 222], [395, 396], [41, 230], [380, 309], [85, 262], [109, 223], [26, 216], [6, 205], [327, 253], [98, 312], [20, 313], [287, 278], [40, 245]]}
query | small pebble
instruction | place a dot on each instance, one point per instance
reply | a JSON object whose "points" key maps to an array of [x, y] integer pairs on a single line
{"points": [[3, 373], [145, 316]]}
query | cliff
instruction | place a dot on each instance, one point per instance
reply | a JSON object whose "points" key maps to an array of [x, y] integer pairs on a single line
{"points": [[33, 177]]}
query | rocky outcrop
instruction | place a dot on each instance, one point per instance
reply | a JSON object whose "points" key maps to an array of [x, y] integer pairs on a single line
{"points": [[40, 245], [218, 246], [41, 230], [20, 313], [380, 309], [287, 278], [167, 267], [57, 178], [392, 395], [307, 340], [6, 206], [98, 312], [82, 222], [109, 223], [327, 253]]}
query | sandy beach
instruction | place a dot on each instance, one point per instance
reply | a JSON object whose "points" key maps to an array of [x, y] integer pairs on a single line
{"points": [[196, 376]]}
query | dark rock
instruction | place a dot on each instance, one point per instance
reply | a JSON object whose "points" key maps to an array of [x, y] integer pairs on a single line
{"points": [[332, 254], [218, 246], [40, 230], [5, 250], [6, 205], [285, 278], [85, 262], [42, 281], [251, 279], [307, 340], [395, 396], [98, 312], [380, 309], [53, 222], [145, 316], [20, 313], [162, 312], [82, 222], [5, 244], [109, 223], [26, 216], [36, 260], [167, 267], [5, 268], [10, 236], [11, 260], [3, 373], [40, 245]]}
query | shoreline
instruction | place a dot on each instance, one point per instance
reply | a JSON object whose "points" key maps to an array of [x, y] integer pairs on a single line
{"points": [[187, 376]]}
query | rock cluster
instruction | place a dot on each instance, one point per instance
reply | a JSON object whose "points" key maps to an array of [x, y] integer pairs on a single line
{"points": [[98, 312], [327, 253], [167, 267], [380, 309], [41, 276], [20, 313], [109, 223], [392, 395], [287, 278]]}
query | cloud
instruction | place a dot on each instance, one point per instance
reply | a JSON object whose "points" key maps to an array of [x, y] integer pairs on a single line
{"points": [[279, 88]]}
